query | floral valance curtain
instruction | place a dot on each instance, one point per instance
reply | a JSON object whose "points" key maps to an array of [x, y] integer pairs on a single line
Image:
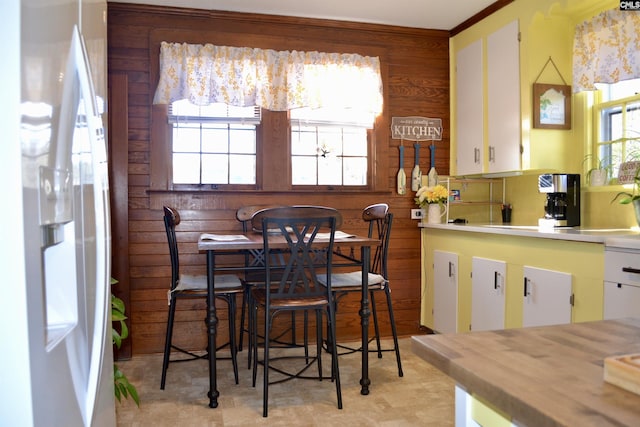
{"points": [[606, 49], [274, 80]]}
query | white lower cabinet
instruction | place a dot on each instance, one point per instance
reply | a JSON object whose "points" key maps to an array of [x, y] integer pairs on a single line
{"points": [[445, 292], [621, 284], [621, 300], [488, 280], [547, 297]]}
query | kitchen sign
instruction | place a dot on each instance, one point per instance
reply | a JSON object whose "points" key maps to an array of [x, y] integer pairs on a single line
{"points": [[415, 128]]}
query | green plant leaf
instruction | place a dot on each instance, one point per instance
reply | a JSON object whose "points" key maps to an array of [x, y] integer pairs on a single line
{"points": [[117, 316], [116, 338], [117, 304], [133, 392], [124, 330], [121, 385]]}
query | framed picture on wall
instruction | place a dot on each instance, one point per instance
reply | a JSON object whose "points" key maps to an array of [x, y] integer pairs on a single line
{"points": [[551, 106]]}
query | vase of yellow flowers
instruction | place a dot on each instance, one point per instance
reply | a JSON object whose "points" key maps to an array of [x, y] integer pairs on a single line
{"points": [[433, 200]]}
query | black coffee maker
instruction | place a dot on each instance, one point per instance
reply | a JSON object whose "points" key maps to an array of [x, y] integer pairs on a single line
{"points": [[562, 205]]}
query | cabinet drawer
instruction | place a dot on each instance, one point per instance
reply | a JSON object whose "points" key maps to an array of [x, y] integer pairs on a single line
{"points": [[622, 267], [621, 300]]}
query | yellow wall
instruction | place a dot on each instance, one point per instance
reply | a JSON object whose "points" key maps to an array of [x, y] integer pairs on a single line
{"points": [[547, 28]]}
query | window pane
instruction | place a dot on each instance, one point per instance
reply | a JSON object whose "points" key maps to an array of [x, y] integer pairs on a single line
{"points": [[633, 120], [355, 171], [215, 139], [186, 138], [242, 139], [633, 149], [214, 169], [303, 141], [303, 170], [330, 140], [355, 142], [330, 170], [615, 122], [242, 169], [186, 168]]}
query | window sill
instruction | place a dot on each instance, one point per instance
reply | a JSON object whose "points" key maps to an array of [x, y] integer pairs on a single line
{"points": [[270, 192], [610, 188]]}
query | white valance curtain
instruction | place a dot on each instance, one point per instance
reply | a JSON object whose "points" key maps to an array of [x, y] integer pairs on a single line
{"points": [[277, 81], [606, 49]]}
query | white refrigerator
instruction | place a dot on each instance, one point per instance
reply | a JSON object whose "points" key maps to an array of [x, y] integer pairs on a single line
{"points": [[56, 359]]}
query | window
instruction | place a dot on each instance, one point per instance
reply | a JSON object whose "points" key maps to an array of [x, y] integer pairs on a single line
{"points": [[213, 144], [617, 118], [329, 147]]}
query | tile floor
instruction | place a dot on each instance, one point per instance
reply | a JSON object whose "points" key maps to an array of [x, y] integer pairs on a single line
{"points": [[423, 397]]}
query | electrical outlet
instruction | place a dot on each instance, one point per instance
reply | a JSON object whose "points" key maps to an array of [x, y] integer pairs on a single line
{"points": [[416, 213]]}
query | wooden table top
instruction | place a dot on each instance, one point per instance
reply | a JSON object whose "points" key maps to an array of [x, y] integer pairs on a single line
{"points": [[254, 240], [542, 376]]}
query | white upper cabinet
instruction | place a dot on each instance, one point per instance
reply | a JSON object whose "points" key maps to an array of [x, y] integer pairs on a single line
{"points": [[503, 83], [469, 109], [487, 104]]}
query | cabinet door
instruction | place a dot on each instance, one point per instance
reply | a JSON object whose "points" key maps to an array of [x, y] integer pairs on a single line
{"points": [[445, 292], [503, 99], [469, 109], [546, 297], [488, 279], [621, 300]]}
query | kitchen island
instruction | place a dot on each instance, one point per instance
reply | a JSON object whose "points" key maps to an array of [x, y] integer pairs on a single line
{"points": [[542, 376]]}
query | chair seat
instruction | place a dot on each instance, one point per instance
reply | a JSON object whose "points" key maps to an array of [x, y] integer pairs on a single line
{"points": [[260, 296], [225, 283], [352, 280]]}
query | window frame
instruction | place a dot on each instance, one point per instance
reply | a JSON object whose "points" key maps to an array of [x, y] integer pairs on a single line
{"points": [[369, 145], [599, 107], [173, 119], [272, 128]]}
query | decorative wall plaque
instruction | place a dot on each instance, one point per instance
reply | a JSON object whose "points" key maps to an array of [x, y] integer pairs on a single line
{"points": [[415, 128]]}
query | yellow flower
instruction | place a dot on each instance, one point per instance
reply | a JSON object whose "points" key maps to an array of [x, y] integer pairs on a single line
{"points": [[430, 195]]}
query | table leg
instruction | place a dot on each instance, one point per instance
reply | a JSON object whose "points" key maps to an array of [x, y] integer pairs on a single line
{"points": [[212, 326], [364, 320]]}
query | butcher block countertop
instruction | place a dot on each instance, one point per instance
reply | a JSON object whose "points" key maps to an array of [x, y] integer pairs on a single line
{"points": [[542, 376]]}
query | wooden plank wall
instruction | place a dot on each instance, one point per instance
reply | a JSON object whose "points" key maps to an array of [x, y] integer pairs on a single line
{"points": [[415, 66]]}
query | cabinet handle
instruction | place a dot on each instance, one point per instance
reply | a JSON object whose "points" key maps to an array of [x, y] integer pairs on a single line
{"points": [[526, 292], [492, 153], [495, 280], [450, 269], [476, 155], [631, 270]]}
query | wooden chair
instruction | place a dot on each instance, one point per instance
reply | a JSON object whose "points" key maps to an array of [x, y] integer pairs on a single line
{"points": [[294, 287], [251, 259], [189, 286], [251, 219], [379, 219], [295, 211]]}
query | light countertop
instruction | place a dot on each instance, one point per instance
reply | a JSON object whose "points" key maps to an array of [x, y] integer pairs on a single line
{"points": [[624, 238]]}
